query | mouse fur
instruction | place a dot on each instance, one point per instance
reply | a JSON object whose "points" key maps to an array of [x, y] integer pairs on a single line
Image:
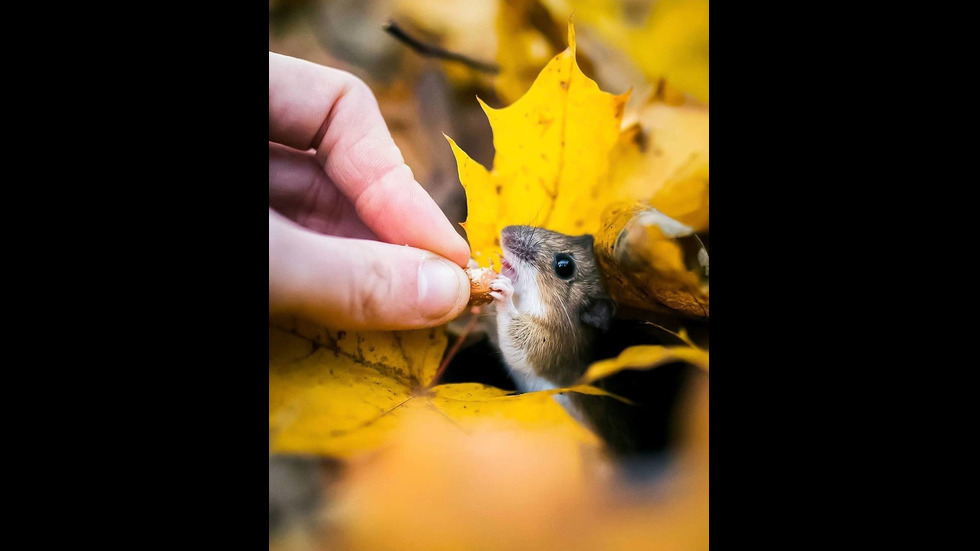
{"points": [[546, 325]]}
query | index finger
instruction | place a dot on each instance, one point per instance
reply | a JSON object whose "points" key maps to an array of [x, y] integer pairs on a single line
{"points": [[311, 106]]}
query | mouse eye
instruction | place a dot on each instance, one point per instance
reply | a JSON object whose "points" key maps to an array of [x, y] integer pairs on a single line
{"points": [[564, 266]]}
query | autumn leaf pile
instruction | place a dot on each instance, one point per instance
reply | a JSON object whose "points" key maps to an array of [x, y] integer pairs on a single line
{"points": [[568, 157]]}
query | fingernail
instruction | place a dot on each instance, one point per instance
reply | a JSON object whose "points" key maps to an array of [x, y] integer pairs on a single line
{"points": [[439, 288]]}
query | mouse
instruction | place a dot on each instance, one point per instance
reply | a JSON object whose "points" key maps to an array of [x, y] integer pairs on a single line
{"points": [[550, 306], [550, 303], [549, 320]]}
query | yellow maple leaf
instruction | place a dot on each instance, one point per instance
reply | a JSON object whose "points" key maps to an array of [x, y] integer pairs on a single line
{"points": [[527, 37], [552, 157], [561, 159], [340, 393]]}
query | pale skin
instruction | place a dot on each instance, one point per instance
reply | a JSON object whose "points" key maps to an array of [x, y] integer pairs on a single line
{"points": [[354, 241]]}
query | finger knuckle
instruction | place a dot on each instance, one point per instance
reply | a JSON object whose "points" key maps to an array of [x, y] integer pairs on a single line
{"points": [[379, 200], [354, 86]]}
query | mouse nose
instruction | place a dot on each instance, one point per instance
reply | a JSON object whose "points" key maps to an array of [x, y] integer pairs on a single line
{"points": [[506, 236], [517, 240]]}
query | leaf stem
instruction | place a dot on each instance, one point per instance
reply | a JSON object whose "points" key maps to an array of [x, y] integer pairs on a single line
{"points": [[474, 316]]}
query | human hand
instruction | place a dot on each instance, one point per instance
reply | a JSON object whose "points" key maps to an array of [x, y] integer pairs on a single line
{"points": [[342, 207]]}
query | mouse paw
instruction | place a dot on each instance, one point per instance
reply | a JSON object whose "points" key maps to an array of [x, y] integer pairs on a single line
{"points": [[503, 294]]}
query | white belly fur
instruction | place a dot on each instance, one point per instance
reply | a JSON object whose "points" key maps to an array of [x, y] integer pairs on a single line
{"points": [[528, 301]]}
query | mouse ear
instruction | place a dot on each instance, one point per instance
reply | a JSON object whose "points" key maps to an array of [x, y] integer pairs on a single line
{"points": [[599, 312]]}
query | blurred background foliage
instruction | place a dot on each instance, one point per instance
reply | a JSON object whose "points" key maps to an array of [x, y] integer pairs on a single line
{"points": [[435, 487], [638, 45]]}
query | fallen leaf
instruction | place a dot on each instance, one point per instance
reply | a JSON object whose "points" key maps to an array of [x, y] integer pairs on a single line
{"points": [[528, 36], [337, 392], [340, 393], [552, 158], [645, 357], [652, 262], [662, 158], [561, 159]]}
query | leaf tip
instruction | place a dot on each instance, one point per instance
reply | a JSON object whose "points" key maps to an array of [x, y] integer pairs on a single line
{"points": [[489, 111], [452, 145], [619, 105], [625, 96], [571, 33]]}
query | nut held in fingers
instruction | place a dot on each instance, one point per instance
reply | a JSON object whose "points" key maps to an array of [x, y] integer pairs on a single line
{"points": [[480, 279]]}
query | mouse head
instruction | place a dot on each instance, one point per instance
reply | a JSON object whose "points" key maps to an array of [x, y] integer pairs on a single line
{"points": [[556, 276]]}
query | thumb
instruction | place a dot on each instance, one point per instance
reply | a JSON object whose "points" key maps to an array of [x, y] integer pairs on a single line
{"points": [[360, 284]]}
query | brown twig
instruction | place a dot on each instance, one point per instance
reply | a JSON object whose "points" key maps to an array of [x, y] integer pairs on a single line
{"points": [[474, 316], [430, 50]]}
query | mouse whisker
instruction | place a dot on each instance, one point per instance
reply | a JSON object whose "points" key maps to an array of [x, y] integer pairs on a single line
{"points": [[534, 244], [564, 309]]}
